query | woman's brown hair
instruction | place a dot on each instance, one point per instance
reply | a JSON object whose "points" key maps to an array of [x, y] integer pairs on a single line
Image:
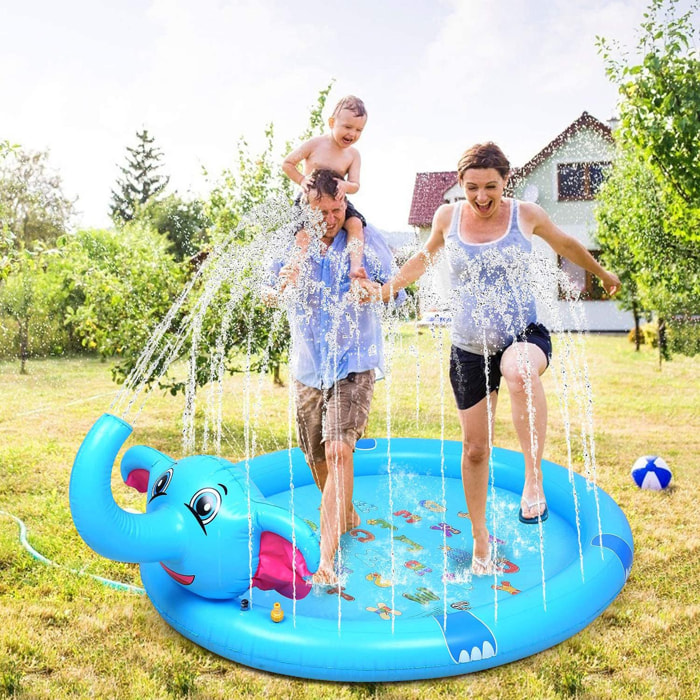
{"points": [[482, 156]]}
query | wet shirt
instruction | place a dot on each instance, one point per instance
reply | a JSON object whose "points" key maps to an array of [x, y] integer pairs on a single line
{"points": [[491, 295], [332, 335]]}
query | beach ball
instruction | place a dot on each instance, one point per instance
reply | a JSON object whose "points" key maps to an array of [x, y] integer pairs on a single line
{"points": [[651, 472]]}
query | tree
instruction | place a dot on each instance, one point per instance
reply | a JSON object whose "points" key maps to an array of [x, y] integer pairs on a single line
{"points": [[28, 297], [34, 212], [115, 287], [253, 181], [659, 268], [614, 229], [660, 91], [258, 178], [233, 329], [141, 181], [32, 204], [649, 219], [7, 238], [184, 223]]}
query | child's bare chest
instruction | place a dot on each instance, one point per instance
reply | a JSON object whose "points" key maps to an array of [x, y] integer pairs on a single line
{"points": [[331, 158]]}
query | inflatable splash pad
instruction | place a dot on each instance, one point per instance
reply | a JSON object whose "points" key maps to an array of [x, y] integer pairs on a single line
{"points": [[407, 606]]}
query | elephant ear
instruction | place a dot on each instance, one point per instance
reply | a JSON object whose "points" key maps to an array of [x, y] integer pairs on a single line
{"points": [[139, 462], [283, 566]]}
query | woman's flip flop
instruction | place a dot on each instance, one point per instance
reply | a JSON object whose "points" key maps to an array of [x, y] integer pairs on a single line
{"points": [[537, 518]]}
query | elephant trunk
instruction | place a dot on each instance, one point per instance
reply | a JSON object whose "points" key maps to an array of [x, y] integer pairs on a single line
{"points": [[108, 529]]}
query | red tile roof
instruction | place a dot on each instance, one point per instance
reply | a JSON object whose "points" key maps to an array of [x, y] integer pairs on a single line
{"points": [[428, 194], [429, 188]]}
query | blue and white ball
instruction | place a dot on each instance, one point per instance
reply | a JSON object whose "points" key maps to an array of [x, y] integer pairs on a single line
{"points": [[652, 473]]}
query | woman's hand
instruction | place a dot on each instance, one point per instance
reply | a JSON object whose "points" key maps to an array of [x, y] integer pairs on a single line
{"points": [[611, 283]]}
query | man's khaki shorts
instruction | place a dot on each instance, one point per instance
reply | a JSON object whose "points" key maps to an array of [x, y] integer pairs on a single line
{"points": [[336, 414]]}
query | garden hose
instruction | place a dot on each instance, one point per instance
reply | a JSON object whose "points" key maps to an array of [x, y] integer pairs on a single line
{"points": [[40, 557]]}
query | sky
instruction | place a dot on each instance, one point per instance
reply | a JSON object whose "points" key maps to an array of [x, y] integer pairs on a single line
{"points": [[81, 77]]}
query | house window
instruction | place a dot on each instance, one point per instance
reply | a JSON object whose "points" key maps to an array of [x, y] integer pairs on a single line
{"points": [[579, 181], [584, 282]]}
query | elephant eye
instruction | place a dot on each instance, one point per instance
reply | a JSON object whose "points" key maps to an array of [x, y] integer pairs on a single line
{"points": [[161, 484], [205, 505]]}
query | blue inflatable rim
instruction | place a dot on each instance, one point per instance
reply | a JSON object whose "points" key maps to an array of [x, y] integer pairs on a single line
{"points": [[453, 642]]}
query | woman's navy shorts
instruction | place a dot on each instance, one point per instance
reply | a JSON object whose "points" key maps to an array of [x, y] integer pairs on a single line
{"points": [[468, 374]]}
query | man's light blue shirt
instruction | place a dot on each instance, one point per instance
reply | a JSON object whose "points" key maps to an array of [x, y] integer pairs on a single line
{"points": [[332, 334]]}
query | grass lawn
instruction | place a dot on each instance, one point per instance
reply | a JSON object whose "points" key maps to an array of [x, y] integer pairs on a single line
{"points": [[64, 635]]}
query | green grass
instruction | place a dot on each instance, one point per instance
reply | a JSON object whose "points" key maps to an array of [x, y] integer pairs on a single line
{"points": [[64, 635]]}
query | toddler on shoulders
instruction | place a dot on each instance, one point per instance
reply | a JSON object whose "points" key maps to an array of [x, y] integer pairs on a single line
{"points": [[335, 151]]}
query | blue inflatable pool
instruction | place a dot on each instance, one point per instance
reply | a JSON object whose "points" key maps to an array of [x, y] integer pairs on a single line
{"points": [[407, 607]]}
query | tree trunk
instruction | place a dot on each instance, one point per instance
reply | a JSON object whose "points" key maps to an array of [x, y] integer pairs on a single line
{"points": [[276, 377], [637, 331], [23, 345], [663, 343]]}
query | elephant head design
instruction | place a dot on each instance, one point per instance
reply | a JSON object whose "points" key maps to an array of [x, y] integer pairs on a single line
{"points": [[206, 523]]}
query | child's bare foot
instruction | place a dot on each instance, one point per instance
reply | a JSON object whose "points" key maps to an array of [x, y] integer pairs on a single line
{"points": [[355, 521], [324, 577]]}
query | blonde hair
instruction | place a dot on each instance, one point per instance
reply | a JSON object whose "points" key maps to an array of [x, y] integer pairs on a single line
{"points": [[352, 103]]}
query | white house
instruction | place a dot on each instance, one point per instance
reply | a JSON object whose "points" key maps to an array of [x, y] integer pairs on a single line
{"points": [[563, 178]]}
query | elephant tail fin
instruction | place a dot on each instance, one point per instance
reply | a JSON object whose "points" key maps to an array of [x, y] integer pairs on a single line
{"points": [[282, 568]]}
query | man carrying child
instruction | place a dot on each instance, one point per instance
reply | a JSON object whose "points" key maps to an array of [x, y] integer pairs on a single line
{"points": [[336, 355]]}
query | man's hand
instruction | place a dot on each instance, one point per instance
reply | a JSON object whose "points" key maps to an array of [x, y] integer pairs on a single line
{"points": [[288, 276], [270, 296], [365, 290]]}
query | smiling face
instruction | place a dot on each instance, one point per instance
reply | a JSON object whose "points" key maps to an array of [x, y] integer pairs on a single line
{"points": [[213, 510], [332, 213], [346, 128], [483, 188]]}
